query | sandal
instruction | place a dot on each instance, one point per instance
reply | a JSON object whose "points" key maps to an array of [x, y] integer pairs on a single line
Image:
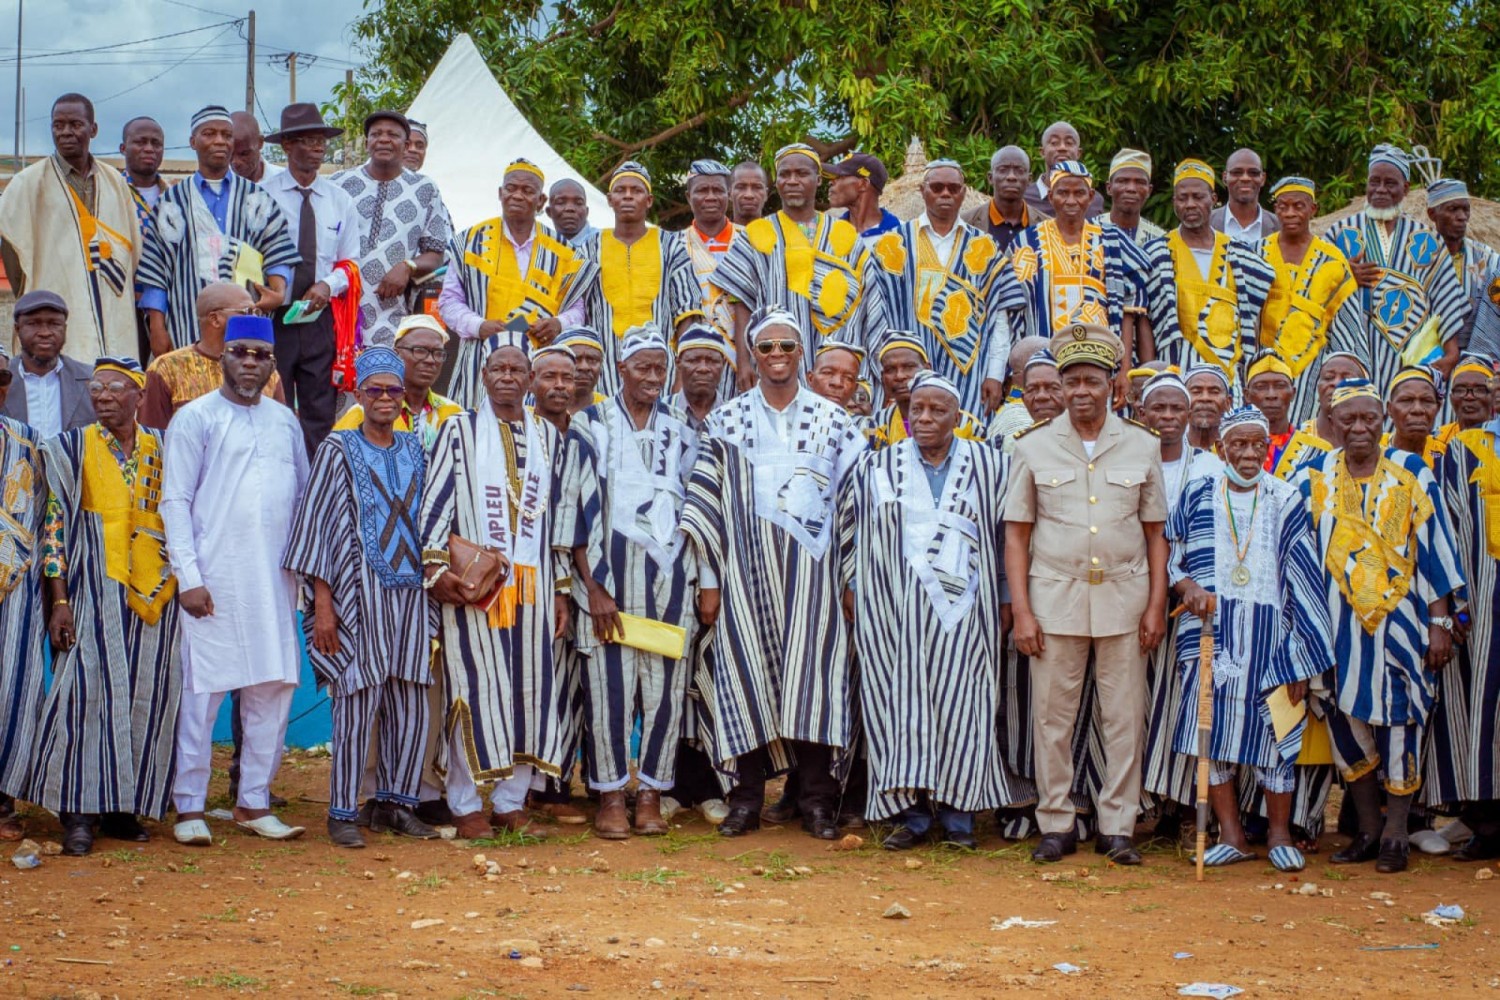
{"points": [[1287, 858], [1220, 855]]}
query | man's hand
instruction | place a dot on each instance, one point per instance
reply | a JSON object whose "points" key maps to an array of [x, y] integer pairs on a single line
{"points": [[1198, 601], [708, 606], [1439, 647], [848, 603], [60, 627], [490, 327], [562, 615], [395, 281], [267, 300], [156, 332], [1154, 627], [317, 296], [1366, 274], [446, 590], [992, 393], [1121, 390], [606, 615], [197, 602], [1028, 634], [544, 330], [1296, 691], [325, 629], [744, 375]]}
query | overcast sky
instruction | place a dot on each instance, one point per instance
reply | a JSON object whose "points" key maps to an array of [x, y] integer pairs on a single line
{"points": [[169, 78]]}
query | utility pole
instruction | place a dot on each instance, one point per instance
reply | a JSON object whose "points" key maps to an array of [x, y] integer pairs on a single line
{"points": [[20, 13], [250, 66], [349, 142], [291, 65]]}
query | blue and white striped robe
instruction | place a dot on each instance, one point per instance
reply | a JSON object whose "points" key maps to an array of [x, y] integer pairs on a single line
{"points": [[23, 505], [169, 262], [1463, 764], [929, 692], [1117, 276], [1272, 631], [626, 570], [781, 646], [1380, 677], [503, 684], [109, 722]]}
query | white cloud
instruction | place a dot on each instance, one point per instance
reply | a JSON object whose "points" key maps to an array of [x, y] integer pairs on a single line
{"points": [[210, 65]]}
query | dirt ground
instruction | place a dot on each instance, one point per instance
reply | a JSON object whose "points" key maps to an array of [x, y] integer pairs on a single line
{"points": [[775, 914]]}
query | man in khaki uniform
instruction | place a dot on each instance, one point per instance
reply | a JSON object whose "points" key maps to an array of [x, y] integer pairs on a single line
{"points": [[1086, 555]]}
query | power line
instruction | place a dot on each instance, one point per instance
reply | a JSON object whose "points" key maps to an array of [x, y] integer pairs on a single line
{"points": [[202, 10], [121, 45]]}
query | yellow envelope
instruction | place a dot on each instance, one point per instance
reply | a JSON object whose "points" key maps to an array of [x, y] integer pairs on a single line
{"points": [[653, 636], [249, 265], [1317, 748]]}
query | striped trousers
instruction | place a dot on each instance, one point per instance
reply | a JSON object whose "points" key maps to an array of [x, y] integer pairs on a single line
{"points": [[1361, 747], [401, 710], [621, 684]]}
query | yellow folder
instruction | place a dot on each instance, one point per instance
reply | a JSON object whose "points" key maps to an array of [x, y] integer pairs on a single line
{"points": [[653, 636], [1317, 748], [249, 266]]}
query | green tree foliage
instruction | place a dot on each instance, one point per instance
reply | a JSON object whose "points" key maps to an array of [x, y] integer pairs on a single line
{"points": [[1310, 85]]}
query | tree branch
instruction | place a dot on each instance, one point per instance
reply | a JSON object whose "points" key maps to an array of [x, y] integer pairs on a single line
{"points": [[594, 30]]}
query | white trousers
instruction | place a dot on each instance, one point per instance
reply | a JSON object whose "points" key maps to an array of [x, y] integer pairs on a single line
{"points": [[509, 794], [264, 709]]}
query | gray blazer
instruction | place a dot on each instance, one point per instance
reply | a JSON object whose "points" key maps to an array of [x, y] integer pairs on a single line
{"points": [[77, 409], [1268, 222]]}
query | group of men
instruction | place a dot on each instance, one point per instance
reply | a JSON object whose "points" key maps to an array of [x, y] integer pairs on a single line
{"points": [[804, 493]]}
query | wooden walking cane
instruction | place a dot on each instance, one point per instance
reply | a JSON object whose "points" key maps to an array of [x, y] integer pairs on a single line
{"points": [[1205, 724]]}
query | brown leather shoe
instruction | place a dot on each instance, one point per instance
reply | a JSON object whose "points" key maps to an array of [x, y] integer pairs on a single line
{"points": [[518, 821], [610, 822], [473, 826], [565, 813], [648, 821]]}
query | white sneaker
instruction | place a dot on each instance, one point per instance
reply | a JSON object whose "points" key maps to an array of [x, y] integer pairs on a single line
{"points": [[1456, 832], [714, 810], [669, 807], [194, 833], [1430, 842]]}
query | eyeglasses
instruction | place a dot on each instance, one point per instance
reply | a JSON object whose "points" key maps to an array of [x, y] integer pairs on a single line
{"points": [[766, 348], [386, 391], [1457, 390], [253, 353], [116, 389], [425, 353], [945, 188], [233, 310]]}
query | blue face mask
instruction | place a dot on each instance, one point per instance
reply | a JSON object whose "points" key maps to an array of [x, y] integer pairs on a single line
{"points": [[1244, 482]]}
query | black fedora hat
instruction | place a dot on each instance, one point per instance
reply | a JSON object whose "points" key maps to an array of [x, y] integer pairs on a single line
{"points": [[302, 119]]}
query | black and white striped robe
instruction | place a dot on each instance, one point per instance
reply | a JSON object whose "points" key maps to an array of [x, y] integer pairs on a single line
{"points": [[1463, 760], [23, 503], [781, 647], [929, 667], [504, 684], [109, 722], [169, 261], [586, 518]]}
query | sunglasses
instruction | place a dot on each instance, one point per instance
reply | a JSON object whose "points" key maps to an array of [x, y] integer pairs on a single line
{"points": [[945, 188], [253, 353], [387, 391], [766, 348]]}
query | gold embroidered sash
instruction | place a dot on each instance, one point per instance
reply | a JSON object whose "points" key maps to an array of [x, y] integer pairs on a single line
{"points": [[1303, 301], [1487, 478], [1372, 572], [630, 277], [135, 552], [508, 290], [1207, 308]]}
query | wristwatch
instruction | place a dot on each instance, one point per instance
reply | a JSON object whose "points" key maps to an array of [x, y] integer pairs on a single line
{"points": [[1444, 622]]}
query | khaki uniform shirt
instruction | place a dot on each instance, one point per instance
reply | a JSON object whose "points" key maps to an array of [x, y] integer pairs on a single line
{"points": [[1089, 573]]}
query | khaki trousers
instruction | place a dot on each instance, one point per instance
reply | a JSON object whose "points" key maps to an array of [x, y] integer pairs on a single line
{"points": [[1056, 689]]}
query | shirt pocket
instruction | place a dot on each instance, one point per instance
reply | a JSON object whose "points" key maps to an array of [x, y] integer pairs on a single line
{"points": [[1053, 490], [1124, 491]]}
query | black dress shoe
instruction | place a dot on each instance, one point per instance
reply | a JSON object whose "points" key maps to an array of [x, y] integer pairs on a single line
{"points": [[397, 818], [783, 810], [902, 839], [1478, 848], [276, 801], [1362, 848], [78, 833], [822, 824], [1393, 855], [345, 833], [434, 812], [740, 821], [957, 838], [1118, 849], [366, 811], [1054, 847], [122, 826]]}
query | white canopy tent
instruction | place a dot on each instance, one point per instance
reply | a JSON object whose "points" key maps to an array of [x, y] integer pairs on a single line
{"points": [[475, 129]]}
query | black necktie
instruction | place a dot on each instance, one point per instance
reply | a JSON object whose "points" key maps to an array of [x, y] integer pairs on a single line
{"points": [[307, 245]]}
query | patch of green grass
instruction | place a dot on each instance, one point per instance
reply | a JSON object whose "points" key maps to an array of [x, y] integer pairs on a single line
{"points": [[227, 981], [357, 990], [425, 882], [227, 916], [652, 876], [509, 838], [1143, 907], [125, 855], [674, 843], [1336, 875]]}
